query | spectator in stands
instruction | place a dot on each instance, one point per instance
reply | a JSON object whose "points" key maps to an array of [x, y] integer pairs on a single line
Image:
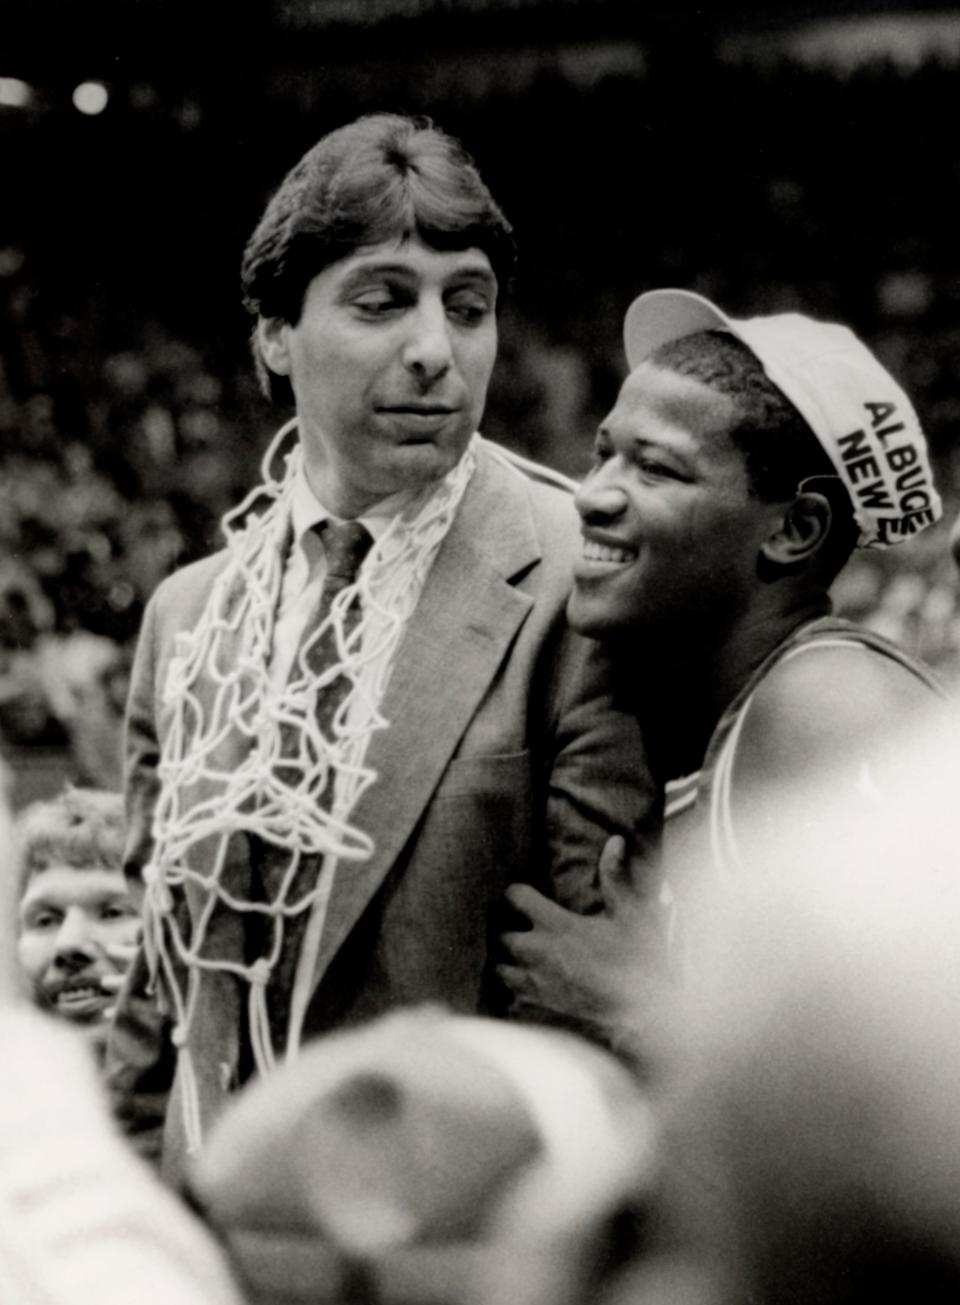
{"points": [[83, 1220], [78, 915], [742, 463]]}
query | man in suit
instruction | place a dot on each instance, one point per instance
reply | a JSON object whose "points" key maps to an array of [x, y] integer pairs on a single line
{"points": [[352, 728]]}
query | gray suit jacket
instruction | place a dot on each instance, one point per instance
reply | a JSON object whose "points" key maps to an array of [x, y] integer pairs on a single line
{"points": [[505, 759]]}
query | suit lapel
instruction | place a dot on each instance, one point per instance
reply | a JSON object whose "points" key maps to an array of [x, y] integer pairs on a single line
{"points": [[454, 643]]}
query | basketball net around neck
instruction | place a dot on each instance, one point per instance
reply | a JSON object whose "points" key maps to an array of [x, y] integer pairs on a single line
{"points": [[218, 767]]}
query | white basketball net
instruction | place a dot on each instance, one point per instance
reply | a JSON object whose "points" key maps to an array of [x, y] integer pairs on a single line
{"points": [[218, 766]]}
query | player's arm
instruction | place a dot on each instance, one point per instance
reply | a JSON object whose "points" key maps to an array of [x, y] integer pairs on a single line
{"points": [[599, 781]]}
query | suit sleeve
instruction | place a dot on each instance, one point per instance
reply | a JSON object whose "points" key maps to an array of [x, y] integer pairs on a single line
{"points": [[599, 781], [140, 1056], [585, 967]]}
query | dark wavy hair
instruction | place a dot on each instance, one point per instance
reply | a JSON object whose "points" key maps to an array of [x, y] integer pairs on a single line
{"points": [[383, 177]]}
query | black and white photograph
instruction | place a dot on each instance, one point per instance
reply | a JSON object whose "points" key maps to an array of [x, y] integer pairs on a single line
{"points": [[479, 642]]}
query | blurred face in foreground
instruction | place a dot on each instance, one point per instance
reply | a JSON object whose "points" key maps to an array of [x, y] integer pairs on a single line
{"points": [[75, 928], [389, 364], [671, 532]]}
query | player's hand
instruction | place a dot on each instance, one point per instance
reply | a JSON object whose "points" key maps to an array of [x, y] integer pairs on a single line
{"points": [[595, 971]]}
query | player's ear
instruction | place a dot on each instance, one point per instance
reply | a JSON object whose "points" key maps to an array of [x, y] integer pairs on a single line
{"points": [[955, 541], [802, 530], [273, 343]]}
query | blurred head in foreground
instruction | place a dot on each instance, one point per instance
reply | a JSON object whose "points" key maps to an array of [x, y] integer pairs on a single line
{"points": [[812, 1065], [429, 1157]]}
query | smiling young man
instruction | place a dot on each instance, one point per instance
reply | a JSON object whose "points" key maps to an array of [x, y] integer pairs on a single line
{"points": [[78, 915], [350, 729], [742, 463]]}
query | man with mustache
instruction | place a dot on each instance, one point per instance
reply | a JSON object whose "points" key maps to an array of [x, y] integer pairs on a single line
{"points": [[78, 915], [353, 727], [83, 1218]]}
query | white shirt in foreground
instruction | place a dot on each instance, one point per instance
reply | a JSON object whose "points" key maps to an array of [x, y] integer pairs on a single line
{"points": [[82, 1219]]}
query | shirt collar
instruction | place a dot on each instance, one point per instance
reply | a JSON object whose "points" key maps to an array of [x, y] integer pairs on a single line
{"points": [[306, 510]]}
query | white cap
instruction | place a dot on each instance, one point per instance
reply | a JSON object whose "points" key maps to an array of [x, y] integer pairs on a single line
{"points": [[852, 404]]}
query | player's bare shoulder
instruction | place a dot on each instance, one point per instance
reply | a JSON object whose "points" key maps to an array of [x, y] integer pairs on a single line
{"points": [[827, 699]]}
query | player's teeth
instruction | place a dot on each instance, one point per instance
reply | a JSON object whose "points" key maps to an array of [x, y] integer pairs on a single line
{"points": [[595, 552]]}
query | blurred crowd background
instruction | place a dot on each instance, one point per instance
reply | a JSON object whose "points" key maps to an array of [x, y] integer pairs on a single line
{"points": [[768, 160]]}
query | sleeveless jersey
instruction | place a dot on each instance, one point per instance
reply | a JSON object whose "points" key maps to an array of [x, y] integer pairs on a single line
{"points": [[698, 818]]}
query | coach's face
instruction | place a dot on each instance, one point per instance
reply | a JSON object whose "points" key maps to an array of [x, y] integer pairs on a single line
{"points": [[389, 365]]}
